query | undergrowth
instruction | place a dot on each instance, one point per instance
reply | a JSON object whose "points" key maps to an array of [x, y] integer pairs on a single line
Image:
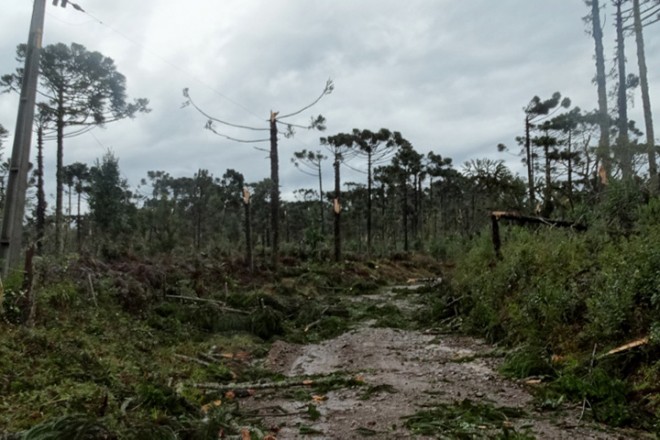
{"points": [[117, 348], [563, 299], [468, 420]]}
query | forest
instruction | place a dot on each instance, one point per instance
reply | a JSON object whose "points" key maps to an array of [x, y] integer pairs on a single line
{"points": [[153, 311]]}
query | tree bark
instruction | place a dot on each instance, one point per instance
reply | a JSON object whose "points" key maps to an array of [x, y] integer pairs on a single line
{"points": [[622, 98], [369, 204], [321, 210], [248, 236], [78, 221], [274, 191], [548, 178], [415, 219], [59, 174], [404, 187], [41, 196], [570, 168], [646, 100], [337, 210], [530, 164], [604, 140], [420, 211]]}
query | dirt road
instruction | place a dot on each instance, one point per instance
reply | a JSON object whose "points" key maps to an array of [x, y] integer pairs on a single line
{"points": [[416, 385]]}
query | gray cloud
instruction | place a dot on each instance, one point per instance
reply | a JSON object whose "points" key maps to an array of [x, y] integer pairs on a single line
{"points": [[451, 76]]}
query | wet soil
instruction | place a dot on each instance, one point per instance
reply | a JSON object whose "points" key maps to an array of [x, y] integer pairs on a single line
{"points": [[403, 372]]}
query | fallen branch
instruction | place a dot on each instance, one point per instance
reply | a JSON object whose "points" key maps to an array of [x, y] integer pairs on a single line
{"points": [[295, 382], [210, 358], [628, 346], [318, 321], [586, 402], [219, 304], [427, 280], [192, 359], [91, 289], [518, 217]]}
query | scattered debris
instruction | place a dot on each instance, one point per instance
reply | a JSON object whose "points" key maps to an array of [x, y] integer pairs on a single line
{"points": [[628, 346]]}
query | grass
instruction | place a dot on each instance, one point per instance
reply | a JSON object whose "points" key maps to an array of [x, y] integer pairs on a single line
{"points": [[467, 420], [105, 362], [120, 366]]}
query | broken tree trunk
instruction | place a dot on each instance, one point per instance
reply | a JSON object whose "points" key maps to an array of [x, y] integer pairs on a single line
{"points": [[496, 216]]}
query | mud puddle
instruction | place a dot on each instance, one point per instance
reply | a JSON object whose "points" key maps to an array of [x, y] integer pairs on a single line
{"points": [[404, 372]]}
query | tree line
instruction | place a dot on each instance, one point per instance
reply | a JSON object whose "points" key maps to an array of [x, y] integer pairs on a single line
{"points": [[406, 201]]}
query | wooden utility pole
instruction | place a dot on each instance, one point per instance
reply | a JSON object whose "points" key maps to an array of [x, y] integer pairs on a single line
{"points": [[12, 225]]}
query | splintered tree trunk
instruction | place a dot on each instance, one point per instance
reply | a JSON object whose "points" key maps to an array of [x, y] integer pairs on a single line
{"points": [[622, 102], [406, 245], [369, 186], [248, 236], [274, 191], [78, 225], [570, 168], [415, 201], [41, 196], [646, 100], [383, 220], [199, 221], [337, 211], [548, 176], [434, 210], [67, 219], [604, 141], [420, 211]]}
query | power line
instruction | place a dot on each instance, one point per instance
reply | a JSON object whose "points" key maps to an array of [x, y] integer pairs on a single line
{"points": [[164, 60], [98, 141]]}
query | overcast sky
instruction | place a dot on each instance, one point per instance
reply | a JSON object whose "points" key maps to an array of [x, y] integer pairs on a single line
{"points": [[451, 76]]}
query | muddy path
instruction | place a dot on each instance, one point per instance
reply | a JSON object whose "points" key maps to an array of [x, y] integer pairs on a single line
{"points": [[412, 383]]}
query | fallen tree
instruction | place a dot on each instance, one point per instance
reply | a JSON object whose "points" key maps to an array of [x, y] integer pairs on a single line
{"points": [[496, 216]]}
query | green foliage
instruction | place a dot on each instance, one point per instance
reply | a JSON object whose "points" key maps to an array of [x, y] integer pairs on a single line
{"points": [[467, 420], [75, 427], [12, 298], [606, 396], [527, 361], [61, 295], [108, 197], [620, 206], [447, 248], [267, 322], [550, 281], [163, 398], [385, 315], [557, 292]]}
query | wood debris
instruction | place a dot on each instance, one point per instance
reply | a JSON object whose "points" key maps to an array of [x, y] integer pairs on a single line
{"points": [[628, 346]]}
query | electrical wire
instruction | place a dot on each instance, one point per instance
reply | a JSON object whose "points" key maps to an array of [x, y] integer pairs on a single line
{"points": [[170, 64]]}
